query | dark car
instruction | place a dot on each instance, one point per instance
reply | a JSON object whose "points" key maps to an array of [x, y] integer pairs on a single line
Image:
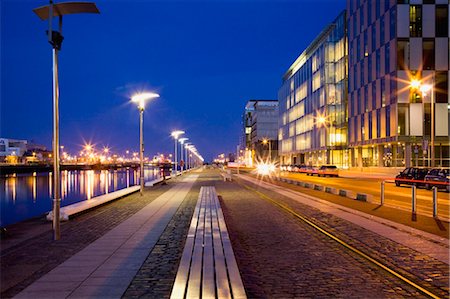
{"points": [[412, 176], [438, 177]]}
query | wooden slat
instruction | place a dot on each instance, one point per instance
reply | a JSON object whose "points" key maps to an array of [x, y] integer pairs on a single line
{"points": [[223, 287], [237, 288], [194, 282], [180, 284], [208, 283]]}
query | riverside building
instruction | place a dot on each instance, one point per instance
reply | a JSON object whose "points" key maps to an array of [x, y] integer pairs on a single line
{"points": [[313, 102], [260, 131], [398, 66]]}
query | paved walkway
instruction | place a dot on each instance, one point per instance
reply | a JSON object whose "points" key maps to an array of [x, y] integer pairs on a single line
{"points": [[420, 241], [106, 267]]}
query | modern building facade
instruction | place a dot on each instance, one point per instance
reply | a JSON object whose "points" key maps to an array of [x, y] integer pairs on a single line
{"points": [[398, 65], [260, 121], [313, 102]]}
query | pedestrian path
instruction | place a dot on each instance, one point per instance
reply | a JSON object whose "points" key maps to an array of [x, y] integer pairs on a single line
{"points": [[423, 242], [105, 268]]}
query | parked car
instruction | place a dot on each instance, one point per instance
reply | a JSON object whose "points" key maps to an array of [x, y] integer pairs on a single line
{"points": [[328, 170], [305, 168], [439, 177], [312, 170], [412, 176]]}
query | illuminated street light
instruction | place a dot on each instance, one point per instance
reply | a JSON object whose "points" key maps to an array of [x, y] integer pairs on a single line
{"points": [[424, 89], [182, 140], [266, 141], [55, 38], [186, 157], [175, 134], [140, 99]]}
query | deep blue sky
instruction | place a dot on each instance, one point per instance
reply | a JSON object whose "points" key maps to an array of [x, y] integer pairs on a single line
{"points": [[205, 58]]}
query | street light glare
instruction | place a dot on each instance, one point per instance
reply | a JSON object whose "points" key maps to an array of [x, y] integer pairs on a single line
{"points": [[140, 98], [415, 84], [175, 134], [321, 120], [425, 88]]}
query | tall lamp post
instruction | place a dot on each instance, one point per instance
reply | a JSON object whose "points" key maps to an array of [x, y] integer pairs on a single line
{"points": [[55, 38], [175, 134], [186, 157], [424, 89], [266, 141], [140, 99], [182, 140]]}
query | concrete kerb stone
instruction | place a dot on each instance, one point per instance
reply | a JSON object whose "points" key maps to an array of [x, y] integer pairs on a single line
{"points": [[331, 190], [318, 187], [347, 193], [341, 192]]}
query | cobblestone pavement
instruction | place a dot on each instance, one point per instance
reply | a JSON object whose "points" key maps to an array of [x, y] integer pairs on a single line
{"points": [[278, 256], [281, 257], [26, 260], [157, 275]]}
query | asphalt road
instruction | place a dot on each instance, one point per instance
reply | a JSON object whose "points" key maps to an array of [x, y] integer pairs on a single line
{"points": [[398, 197]]}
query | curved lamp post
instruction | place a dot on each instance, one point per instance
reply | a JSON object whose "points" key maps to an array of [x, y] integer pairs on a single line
{"points": [[55, 38], [175, 134], [182, 140], [140, 99]]}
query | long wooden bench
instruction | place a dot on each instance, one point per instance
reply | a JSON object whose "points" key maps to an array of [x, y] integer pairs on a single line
{"points": [[208, 268]]}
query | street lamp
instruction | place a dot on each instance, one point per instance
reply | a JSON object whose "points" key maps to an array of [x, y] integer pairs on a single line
{"points": [[266, 141], [186, 157], [182, 140], [55, 38], [175, 134], [424, 89], [140, 99]]}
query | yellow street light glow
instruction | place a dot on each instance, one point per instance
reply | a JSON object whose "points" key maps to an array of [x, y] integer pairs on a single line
{"points": [[265, 168], [265, 141], [106, 150], [425, 88], [88, 147], [175, 134], [415, 84], [140, 98], [321, 120]]}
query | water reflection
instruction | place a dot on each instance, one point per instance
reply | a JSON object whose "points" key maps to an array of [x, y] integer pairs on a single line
{"points": [[28, 195]]}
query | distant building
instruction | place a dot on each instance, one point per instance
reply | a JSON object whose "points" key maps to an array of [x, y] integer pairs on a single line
{"points": [[395, 48], [313, 101], [12, 147], [260, 121]]}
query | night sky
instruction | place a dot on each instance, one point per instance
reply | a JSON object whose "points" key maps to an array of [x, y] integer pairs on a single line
{"points": [[205, 59]]}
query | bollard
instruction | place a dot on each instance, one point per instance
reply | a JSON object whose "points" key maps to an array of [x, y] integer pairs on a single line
{"points": [[382, 193], [434, 201], [414, 202]]}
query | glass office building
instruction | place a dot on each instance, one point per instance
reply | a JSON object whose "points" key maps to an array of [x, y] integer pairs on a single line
{"points": [[398, 66], [313, 102]]}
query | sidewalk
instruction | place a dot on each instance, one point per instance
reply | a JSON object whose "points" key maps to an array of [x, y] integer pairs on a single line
{"points": [[135, 253], [107, 266]]}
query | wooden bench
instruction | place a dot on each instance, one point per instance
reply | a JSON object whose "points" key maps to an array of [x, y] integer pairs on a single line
{"points": [[208, 268]]}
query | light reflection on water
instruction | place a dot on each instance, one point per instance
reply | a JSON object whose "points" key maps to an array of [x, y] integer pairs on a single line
{"points": [[25, 196]]}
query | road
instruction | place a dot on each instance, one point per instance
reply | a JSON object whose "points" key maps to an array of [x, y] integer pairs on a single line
{"points": [[398, 197]]}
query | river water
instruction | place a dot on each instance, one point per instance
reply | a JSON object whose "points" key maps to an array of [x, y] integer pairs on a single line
{"points": [[24, 196]]}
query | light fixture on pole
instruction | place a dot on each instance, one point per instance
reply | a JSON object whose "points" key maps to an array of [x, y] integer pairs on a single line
{"points": [[140, 99], [424, 89], [182, 162], [186, 157], [55, 38], [175, 134]]}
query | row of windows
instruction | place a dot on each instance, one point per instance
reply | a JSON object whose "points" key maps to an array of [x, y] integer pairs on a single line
{"points": [[428, 61], [363, 45], [416, 20], [370, 125], [373, 9], [384, 92]]}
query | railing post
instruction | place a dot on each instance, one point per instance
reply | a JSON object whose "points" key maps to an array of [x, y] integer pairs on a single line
{"points": [[414, 200], [382, 193], [434, 201]]}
